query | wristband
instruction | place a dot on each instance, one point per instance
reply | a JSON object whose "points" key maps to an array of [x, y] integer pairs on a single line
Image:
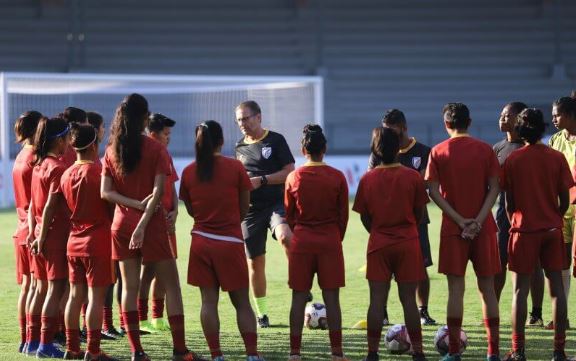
{"points": [[263, 180]]}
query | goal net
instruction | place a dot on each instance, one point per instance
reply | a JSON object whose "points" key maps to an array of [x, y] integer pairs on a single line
{"points": [[288, 103]]}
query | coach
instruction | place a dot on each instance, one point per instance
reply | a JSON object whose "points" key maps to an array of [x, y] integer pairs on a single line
{"points": [[268, 161]]}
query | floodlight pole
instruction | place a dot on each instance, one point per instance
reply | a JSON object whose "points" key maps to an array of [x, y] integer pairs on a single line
{"points": [[4, 141]]}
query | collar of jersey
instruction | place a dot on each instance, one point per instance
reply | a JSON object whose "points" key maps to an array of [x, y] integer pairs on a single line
{"points": [[463, 135], [257, 140], [393, 165], [84, 161], [412, 144], [50, 154], [314, 164], [28, 146]]}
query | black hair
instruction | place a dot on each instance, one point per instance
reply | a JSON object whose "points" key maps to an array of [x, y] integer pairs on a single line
{"points": [[208, 138], [82, 136], [394, 117], [95, 119], [74, 115], [158, 122], [566, 105], [25, 126], [126, 132], [516, 107], [313, 139], [456, 115], [49, 130], [385, 144], [250, 104], [531, 126]]}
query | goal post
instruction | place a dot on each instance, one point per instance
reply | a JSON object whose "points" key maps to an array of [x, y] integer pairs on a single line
{"points": [[287, 102]]}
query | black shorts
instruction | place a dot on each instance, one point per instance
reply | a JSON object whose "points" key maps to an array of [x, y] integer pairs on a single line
{"points": [[425, 244], [255, 227]]}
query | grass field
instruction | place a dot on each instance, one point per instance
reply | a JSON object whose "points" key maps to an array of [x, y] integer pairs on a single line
{"points": [[274, 342]]}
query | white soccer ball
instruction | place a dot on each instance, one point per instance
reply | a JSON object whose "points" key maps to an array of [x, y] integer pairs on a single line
{"points": [[397, 340], [441, 341], [315, 316]]}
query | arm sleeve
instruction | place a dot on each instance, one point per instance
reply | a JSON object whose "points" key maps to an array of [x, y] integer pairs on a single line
{"points": [[359, 203], [183, 192], [289, 201], [163, 163], [421, 198], [493, 165], [173, 174], [244, 180], [565, 181], [55, 177], [283, 153], [431, 168]]}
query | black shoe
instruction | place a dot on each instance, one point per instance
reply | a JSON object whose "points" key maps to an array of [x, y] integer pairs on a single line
{"points": [[372, 356], [71, 355], [310, 297], [425, 318], [110, 334], [60, 338], [535, 320], [140, 356], [263, 322], [515, 356]]}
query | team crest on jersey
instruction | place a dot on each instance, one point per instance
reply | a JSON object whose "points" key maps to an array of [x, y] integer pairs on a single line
{"points": [[416, 162], [266, 152]]}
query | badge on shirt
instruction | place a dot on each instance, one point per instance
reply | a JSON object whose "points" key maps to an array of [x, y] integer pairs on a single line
{"points": [[416, 162], [266, 152]]}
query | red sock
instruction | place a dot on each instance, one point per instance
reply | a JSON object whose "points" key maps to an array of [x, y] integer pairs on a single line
{"points": [[177, 329], [93, 341], [61, 323], [336, 342], [214, 344], [158, 308], [295, 344], [49, 325], [22, 322], [132, 330], [84, 307], [250, 343], [35, 325], [517, 341], [454, 328], [374, 340], [559, 341], [492, 326], [107, 321], [73, 340], [416, 340], [143, 309]]}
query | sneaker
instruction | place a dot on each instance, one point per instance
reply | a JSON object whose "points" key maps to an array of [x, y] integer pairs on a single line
{"points": [[451, 357], [140, 356], [561, 356], [255, 358], [71, 355], [425, 319], [60, 338], [111, 334], [372, 357], [550, 325], [160, 324], [534, 321], [100, 357], [146, 326], [515, 356], [49, 350], [385, 322], [339, 358], [263, 322], [187, 356], [419, 357], [32, 348], [21, 347], [295, 358], [493, 358]]}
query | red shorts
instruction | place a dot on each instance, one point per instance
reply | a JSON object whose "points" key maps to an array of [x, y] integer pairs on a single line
{"points": [[215, 263], [94, 271], [173, 244], [156, 245], [525, 250], [403, 260], [23, 262], [482, 251], [51, 265], [329, 267]]}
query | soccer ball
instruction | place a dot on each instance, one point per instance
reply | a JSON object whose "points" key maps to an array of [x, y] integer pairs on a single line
{"points": [[441, 340], [397, 340], [315, 316]]}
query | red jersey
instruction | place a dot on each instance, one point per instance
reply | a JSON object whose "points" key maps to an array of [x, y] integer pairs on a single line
{"points": [[216, 204], [463, 166], [69, 156], [316, 201], [389, 194], [138, 184], [534, 176], [46, 180], [168, 197], [21, 181], [90, 219]]}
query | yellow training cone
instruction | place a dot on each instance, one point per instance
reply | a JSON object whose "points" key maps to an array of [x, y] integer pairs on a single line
{"points": [[360, 325], [362, 269]]}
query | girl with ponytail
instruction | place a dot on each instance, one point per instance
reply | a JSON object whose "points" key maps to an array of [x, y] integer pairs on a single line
{"points": [[316, 202], [134, 171], [216, 192], [24, 130], [49, 224]]}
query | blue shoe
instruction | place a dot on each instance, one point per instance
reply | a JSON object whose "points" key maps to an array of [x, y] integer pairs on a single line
{"points": [[31, 348], [451, 357], [493, 358], [49, 351], [255, 358]]}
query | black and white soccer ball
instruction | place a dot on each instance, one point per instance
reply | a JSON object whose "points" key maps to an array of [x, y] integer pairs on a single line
{"points": [[315, 316]]}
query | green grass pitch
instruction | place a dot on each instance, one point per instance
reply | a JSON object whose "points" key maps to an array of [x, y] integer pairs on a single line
{"points": [[274, 342]]}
